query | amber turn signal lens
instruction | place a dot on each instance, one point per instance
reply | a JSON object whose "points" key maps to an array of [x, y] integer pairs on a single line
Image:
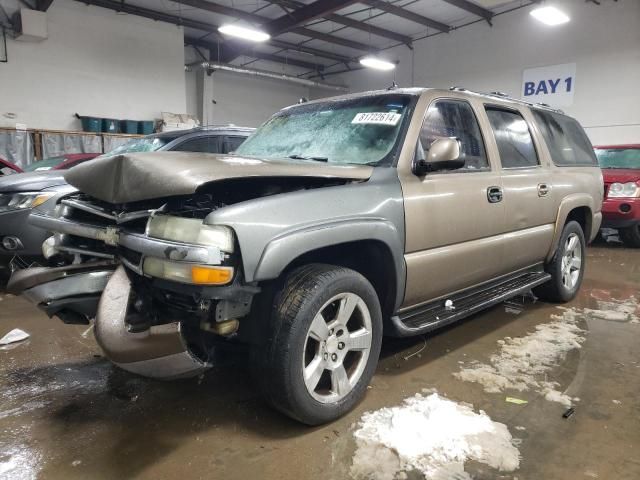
{"points": [[211, 275]]}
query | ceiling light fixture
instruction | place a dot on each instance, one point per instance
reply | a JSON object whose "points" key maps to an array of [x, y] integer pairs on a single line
{"points": [[377, 63], [550, 16], [244, 33]]}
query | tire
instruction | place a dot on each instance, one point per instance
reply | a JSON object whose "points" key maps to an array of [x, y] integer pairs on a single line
{"points": [[630, 236], [307, 333], [566, 267]]}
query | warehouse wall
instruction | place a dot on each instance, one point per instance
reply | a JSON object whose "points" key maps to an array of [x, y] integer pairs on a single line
{"points": [[95, 62], [226, 97], [603, 41]]}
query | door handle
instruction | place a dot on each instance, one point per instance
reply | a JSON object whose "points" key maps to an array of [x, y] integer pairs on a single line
{"points": [[494, 194], [543, 189]]}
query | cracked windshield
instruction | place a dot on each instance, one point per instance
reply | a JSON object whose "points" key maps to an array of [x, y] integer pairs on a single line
{"points": [[361, 131]]}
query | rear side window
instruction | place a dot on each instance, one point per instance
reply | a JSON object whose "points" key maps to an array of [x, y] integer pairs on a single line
{"points": [[231, 144], [199, 144], [568, 144], [455, 118], [512, 135]]}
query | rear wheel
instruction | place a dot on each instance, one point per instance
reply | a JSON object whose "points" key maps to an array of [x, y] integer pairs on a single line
{"points": [[323, 346], [631, 236], [566, 267]]}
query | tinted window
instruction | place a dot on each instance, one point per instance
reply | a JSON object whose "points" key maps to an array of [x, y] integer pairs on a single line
{"points": [[454, 118], [515, 144], [232, 143], [200, 144], [567, 142]]}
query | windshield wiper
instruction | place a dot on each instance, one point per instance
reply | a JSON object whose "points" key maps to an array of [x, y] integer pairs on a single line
{"points": [[317, 159]]}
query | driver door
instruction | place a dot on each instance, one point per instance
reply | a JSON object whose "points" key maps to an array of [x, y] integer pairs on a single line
{"points": [[454, 218]]}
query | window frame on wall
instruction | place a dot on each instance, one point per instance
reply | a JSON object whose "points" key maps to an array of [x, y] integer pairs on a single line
{"points": [[515, 111], [482, 143]]}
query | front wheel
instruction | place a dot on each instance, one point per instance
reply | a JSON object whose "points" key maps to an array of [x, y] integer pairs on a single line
{"points": [[323, 343], [630, 236], [566, 267]]}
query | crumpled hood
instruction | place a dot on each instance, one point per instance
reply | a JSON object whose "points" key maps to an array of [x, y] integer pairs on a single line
{"points": [[31, 181], [143, 176]]}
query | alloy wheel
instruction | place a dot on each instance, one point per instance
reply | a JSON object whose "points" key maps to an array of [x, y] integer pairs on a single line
{"points": [[571, 261], [337, 347]]}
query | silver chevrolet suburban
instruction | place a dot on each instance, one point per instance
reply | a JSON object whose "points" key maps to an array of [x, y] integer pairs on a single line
{"points": [[339, 221]]}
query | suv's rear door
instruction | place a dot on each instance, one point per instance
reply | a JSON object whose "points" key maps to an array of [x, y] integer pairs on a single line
{"points": [[453, 226], [530, 211]]}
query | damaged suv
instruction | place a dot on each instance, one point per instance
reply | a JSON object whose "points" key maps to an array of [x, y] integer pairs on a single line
{"points": [[339, 221]]}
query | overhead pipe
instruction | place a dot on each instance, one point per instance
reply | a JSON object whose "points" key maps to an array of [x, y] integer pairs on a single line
{"points": [[266, 74]]}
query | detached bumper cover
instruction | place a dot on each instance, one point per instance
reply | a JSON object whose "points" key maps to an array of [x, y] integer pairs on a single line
{"points": [[160, 352]]}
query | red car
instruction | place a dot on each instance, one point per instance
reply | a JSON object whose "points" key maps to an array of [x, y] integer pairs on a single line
{"points": [[7, 168], [62, 162], [621, 208]]}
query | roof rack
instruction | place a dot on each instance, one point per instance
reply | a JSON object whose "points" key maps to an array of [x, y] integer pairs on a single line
{"points": [[505, 96]]}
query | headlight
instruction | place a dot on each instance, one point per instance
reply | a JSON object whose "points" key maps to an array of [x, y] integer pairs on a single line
{"points": [[20, 201], [190, 230], [624, 190], [187, 272]]}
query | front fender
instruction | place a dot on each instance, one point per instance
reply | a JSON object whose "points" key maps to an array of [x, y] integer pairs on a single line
{"points": [[272, 231], [280, 251]]}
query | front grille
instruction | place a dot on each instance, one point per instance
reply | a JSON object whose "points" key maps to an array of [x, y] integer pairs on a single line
{"points": [[86, 210]]}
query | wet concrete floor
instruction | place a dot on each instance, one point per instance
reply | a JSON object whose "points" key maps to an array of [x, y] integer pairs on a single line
{"points": [[66, 413]]}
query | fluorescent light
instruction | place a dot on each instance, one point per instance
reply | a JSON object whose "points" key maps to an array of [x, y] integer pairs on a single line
{"points": [[376, 63], [244, 32], [550, 15]]}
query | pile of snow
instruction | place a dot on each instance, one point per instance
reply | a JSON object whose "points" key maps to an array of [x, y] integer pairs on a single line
{"points": [[432, 435], [616, 310], [521, 363]]}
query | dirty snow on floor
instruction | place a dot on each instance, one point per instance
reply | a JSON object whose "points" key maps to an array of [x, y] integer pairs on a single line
{"points": [[616, 310], [432, 435], [521, 363]]}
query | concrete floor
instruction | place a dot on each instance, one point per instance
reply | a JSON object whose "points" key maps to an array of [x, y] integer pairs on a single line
{"points": [[66, 413]]}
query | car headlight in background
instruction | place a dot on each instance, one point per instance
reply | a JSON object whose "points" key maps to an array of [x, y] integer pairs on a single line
{"points": [[624, 190], [21, 201], [190, 230]]}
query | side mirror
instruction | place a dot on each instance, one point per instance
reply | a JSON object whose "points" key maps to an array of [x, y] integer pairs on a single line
{"points": [[443, 154]]}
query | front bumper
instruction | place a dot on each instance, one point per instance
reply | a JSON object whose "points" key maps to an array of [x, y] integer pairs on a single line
{"points": [[15, 224], [135, 242], [620, 212]]}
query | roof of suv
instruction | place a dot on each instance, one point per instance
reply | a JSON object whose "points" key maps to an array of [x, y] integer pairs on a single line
{"points": [[416, 91]]}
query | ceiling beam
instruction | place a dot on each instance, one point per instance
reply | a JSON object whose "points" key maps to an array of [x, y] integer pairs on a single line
{"points": [[219, 51], [472, 8], [406, 14], [118, 6], [349, 22], [309, 50], [43, 5], [253, 18], [305, 14]]}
